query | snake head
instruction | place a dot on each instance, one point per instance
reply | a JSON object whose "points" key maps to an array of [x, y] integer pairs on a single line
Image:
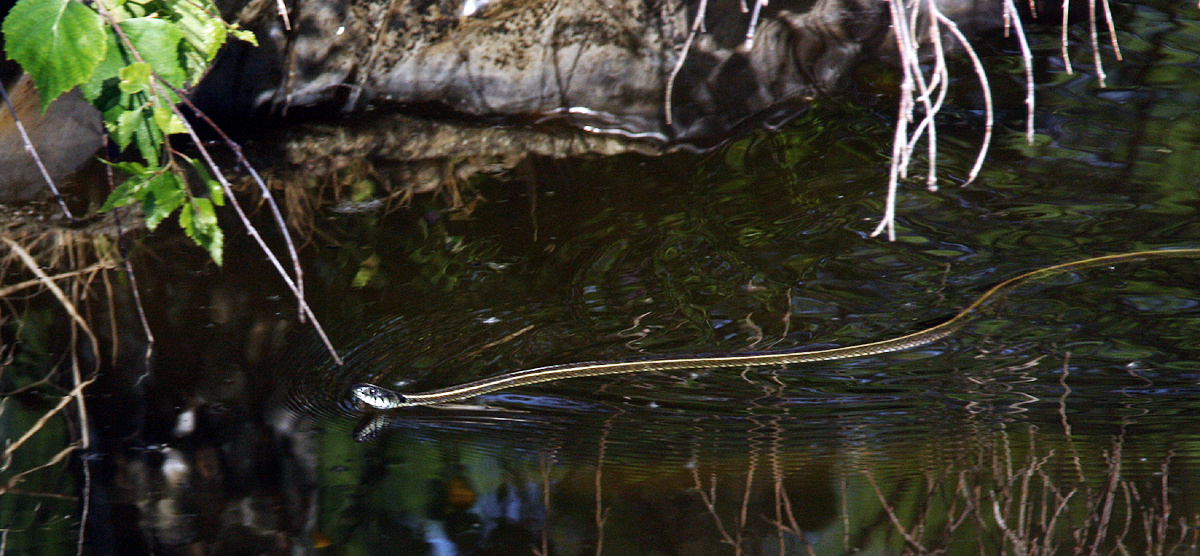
{"points": [[377, 397]]}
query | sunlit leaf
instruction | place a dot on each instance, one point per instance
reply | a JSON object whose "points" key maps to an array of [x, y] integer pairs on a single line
{"points": [[103, 90], [244, 35], [199, 222], [203, 32], [135, 78], [168, 121], [157, 41], [58, 43], [127, 123]]}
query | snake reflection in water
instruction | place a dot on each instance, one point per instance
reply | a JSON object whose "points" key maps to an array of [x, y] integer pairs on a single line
{"points": [[380, 398]]}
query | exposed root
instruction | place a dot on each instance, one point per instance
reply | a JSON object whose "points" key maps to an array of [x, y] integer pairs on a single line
{"points": [[917, 89], [697, 28]]}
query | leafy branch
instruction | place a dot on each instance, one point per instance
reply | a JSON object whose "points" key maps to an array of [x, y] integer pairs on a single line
{"points": [[131, 59]]}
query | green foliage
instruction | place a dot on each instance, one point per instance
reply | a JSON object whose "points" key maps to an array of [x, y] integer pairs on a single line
{"points": [[128, 57], [59, 43]]}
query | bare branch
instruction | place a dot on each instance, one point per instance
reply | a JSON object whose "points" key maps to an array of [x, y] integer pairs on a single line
{"points": [[29, 148]]}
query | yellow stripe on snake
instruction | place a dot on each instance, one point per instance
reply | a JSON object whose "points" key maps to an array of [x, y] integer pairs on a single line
{"points": [[380, 398]]}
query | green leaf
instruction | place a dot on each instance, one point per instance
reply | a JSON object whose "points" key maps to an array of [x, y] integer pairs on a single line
{"points": [[147, 137], [167, 121], [135, 78], [127, 193], [199, 222], [127, 123], [215, 192], [203, 32], [242, 34], [58, 42], [163, 194], [157, 41], [103, 90]]}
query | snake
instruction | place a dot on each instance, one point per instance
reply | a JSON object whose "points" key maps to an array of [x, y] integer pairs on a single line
{"points": [[380, 398]]}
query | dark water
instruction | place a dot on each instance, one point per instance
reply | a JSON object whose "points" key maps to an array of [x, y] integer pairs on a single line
{"points": [[1063, 421]]}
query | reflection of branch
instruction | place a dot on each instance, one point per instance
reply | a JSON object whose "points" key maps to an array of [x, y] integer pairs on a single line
{"points": [[912, 541], [544, 468], [709, 499], [6, 457], [1110, 489], [601, 513]]}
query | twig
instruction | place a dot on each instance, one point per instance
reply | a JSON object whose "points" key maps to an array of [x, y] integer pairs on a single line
{"points": [[41, 422], [29, 148], [753, 27], [122, 248], [985, 87], [1014, 19], [87, 498], [9, 290], [297, 285], [16, 479], [1112, 30], [697, 25], [50, 285], [1063, 42], [281, 8]]}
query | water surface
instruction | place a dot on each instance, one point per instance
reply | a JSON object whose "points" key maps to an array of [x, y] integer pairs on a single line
{"points": [[1060, 421]]}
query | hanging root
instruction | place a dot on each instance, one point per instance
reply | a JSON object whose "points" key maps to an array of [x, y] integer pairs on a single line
{"points": [[928, 88]]}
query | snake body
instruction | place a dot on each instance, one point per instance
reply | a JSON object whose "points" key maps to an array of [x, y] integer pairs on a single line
{"points": [[380, 398]]}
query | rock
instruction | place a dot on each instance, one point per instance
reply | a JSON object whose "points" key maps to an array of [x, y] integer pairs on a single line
{"points": [[600, 65], [66, 137]]}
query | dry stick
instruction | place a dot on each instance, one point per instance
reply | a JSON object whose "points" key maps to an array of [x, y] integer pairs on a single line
{"points": [[985, 86], [709, 500], [87, 504], [697, 24], [939, 81], [16, 479], [123, 250], [9, 290], [753, 27], [281, 8], [41, 422], [262, 244], [903, 117], [1114, 476], [70, 308], [913, 541], [29, 148], [298, 288], [601, 514]]}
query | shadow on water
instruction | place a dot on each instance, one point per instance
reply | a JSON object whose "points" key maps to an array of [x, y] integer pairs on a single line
{"points": [[1060, 422]]}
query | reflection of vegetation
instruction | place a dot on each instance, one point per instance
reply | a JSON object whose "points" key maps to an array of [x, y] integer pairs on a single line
{"points": [[417, 247], [779, 480], [51, 352]]}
